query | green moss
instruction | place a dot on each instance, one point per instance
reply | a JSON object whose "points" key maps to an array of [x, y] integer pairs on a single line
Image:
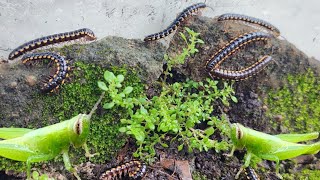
{"points": [[198, 176], [78, 49], [78, 96], [297, 102], [305, 174]]}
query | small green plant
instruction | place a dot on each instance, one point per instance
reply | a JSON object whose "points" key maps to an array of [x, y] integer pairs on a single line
{"points": [[297, 103], [37, 176], [176, 112], [186, 52]]}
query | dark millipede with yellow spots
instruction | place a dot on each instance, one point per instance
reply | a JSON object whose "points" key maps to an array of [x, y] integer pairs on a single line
{"points": [[249, 19], [133, 169], [233, 46], [83, 33], [176, 23], [244, 73], [55, 81]]}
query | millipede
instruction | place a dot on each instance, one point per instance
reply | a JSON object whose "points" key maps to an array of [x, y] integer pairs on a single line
{"points": [[133, 169], [251, 174], [249, 19], [244, 73], [177, 22], [52, 82], [83, 33], [233, 46]]}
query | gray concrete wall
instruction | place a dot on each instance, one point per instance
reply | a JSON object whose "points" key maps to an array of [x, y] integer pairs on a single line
{"points": [[24, 20]]}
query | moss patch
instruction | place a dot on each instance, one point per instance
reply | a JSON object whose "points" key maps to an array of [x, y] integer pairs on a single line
{"points": [[78, 96], [303, 175], [297, 102]]}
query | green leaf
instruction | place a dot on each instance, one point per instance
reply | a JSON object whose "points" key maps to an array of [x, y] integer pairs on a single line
{"points": [[109, 76], [44, 177], [164, 145], [118, 85], [120, 78], [200, 41], [108, 105], [138, 134], [180, 147], [183, 37], [102, 86], [234, 99], [150, 126], [128, 90], [123, 129], [209, 131], [210, 123], [35, 175]]}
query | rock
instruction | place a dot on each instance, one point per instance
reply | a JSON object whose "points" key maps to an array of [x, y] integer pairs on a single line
{"points": [[304, 159], [146, 58]]}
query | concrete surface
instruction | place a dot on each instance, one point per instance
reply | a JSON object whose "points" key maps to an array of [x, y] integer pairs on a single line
{"points": [[24, 20]]}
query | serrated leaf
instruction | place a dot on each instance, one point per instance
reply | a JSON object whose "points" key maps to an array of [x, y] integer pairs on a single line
{"points": [[108, 105], [102, 86]]}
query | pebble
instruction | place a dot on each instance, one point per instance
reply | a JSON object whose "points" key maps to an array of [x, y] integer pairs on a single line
{"points": [[305, 159], [31, 80], [13, 84]]}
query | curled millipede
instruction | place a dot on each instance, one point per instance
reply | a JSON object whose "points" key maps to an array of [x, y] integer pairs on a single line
{"points": [[234, 46], [54, 81], [251, 174], [249, 19], [176, 23], [133, 169], [83, 33], [244, 73]]}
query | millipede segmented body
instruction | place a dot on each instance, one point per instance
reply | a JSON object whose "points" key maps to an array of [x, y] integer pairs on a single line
{"points": [[244, 73], [176, 23], [133, 169], [83, 33], [249, 19], [56, 80], [234, 46], [251, 174]]}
